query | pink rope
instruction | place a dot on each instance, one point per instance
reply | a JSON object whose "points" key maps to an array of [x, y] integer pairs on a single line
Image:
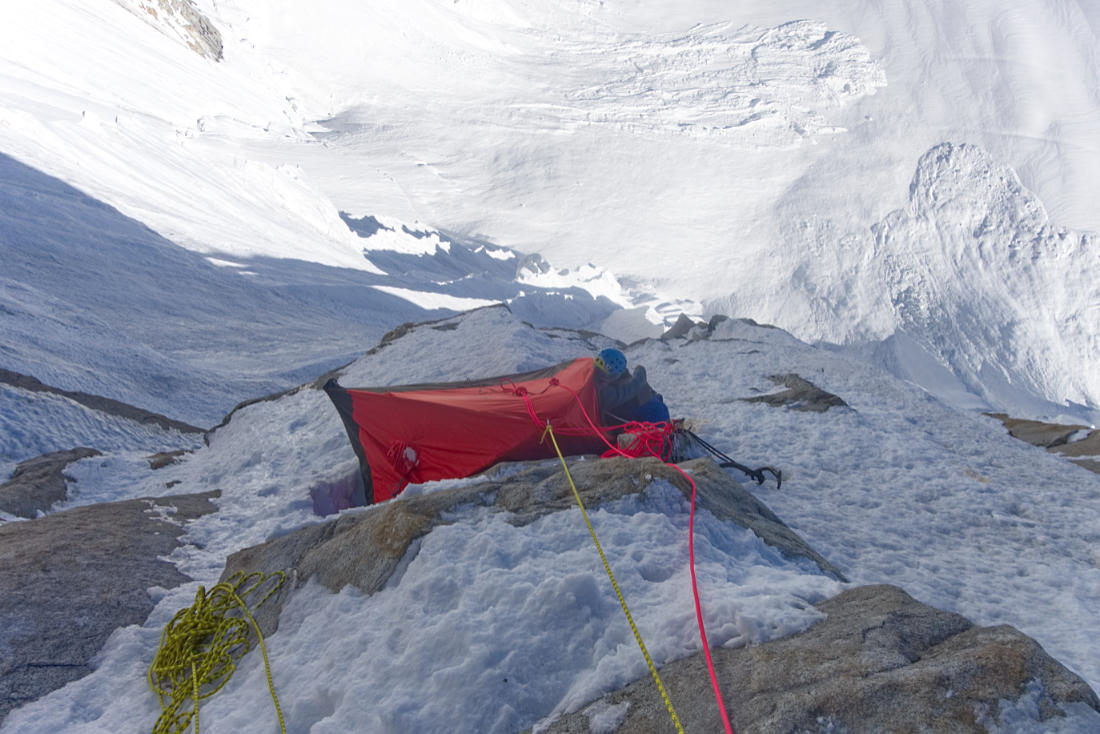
{"points": [[646, 434], [698, 605]]}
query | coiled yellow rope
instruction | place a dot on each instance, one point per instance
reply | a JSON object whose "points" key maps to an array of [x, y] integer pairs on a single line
{"points": [[615, 585], [199, 647]]}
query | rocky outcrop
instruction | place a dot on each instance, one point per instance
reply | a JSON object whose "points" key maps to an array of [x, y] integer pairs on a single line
{"points": [[180, 19], [70, 579], [38, 484], [1038, 433], [364, 549], [1057, 438], [162, 459], [1084, 452], [879, 662], [800, 394], [680, 329]]}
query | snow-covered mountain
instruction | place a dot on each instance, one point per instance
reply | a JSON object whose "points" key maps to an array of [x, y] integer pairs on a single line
{"points": [[204, 202], [704, 159], [96, 301], [892, 487]]}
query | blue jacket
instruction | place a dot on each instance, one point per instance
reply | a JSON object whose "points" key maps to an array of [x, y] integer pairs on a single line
{"points": [[621, 396]]}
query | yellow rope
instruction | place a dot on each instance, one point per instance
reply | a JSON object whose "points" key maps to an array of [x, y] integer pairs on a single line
{"points": [[607, 568], [199, 647]]}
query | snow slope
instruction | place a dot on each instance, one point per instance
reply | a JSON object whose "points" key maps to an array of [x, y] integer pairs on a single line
{"points": [[913, 180], [712, 158], [738, 156], [32, 424], [898, 488], [93, 300], [981, 279]]}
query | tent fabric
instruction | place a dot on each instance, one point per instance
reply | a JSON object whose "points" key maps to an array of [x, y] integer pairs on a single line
{"points": [[418, 433]]}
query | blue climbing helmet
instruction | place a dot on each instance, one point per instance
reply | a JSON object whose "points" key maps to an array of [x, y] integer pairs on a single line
{"points": [[611, 361]]}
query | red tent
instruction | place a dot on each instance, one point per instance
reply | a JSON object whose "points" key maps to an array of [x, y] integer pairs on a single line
{"points": [[417, 433]]}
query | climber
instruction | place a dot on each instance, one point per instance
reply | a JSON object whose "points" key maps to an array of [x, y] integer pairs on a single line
{"points": [[626, 397]]}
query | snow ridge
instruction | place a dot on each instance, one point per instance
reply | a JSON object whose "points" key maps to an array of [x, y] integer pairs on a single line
{"points": [[979, 278]]}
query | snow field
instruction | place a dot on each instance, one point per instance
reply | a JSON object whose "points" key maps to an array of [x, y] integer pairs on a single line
{"points": [[498, 620], [901, 488], [32, 424], [718, 161], [898, 489], [745, 158]]}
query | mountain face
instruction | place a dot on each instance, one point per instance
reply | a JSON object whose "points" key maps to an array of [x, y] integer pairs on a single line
{"points": [[95, 301], [211, 203], [481, 603], [670, 157], [982, 281]]}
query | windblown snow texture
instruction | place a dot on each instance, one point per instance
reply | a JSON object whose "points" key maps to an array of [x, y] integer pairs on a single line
{"points": [[896, 487]]}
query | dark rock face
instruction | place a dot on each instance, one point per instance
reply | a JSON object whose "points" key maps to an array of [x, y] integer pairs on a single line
{"points": [[71, 578], [39, 483], [879, 662], [363, 549]]}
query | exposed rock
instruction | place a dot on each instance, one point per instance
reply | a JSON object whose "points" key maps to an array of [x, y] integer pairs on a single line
{"points": [[1037, 433], [182, 20], [39, 483], [1055, 437], [1091, 464], [682, 326], [363, 549], [162, 459], [70, 579], [533, 263], [879, 662], [799, 395], [717, 319], [1087, 446]]}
